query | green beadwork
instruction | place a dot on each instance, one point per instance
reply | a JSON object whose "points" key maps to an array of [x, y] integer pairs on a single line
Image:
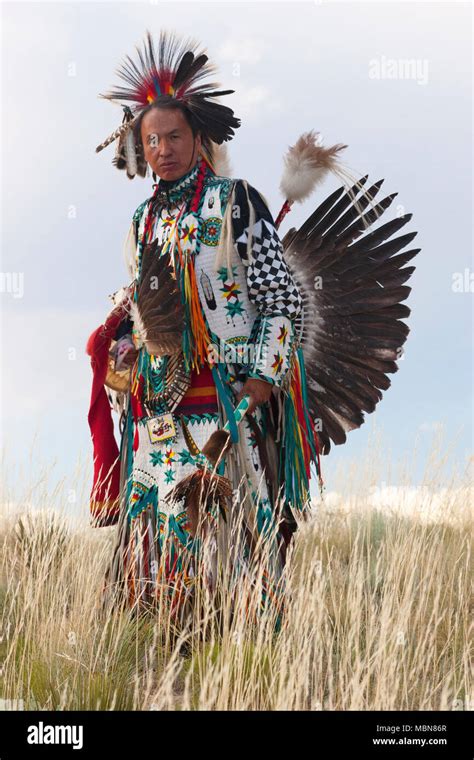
{"points": [[198, 418], [211, 230]]}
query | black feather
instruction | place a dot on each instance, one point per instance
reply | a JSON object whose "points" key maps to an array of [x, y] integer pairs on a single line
{"points": [[352, 334]]}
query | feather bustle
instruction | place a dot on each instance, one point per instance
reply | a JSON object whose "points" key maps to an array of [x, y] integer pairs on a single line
{"points": [[352, 282]]}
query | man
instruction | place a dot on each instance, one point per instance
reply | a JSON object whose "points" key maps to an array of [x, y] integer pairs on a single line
{"points": [[172, 150], [241, 311], [213, 316]]}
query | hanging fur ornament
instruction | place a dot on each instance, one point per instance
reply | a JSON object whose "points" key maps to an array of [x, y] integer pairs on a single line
{"points": [[129, 251], [128, 155], [221, 164], [119, 132]]}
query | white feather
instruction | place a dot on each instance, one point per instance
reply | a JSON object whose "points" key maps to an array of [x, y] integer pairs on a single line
{"points": [[141, 333]]}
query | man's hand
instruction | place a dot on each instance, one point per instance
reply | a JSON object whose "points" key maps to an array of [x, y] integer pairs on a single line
{"points": [[129, 358], [258, 390]]}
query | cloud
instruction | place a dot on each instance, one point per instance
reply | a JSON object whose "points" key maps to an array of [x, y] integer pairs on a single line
{"points": [[252, 100], [418, 502], [254, 103], [44, 359], [248, 50]]}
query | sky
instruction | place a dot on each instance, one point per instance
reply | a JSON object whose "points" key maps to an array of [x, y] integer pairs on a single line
{"points": [[391, 80]]}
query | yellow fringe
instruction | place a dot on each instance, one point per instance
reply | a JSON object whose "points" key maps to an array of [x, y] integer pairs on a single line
{"points": [[199, 329]]}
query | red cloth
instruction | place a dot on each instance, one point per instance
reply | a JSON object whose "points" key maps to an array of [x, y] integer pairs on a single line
{"points": [[104, 501], [201, 396]]}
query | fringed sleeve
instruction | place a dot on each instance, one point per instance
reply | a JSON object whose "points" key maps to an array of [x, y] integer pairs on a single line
{"points": [[278, 357]]}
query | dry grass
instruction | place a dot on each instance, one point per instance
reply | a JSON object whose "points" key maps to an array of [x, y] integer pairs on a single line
{"points": [[378, 616]]}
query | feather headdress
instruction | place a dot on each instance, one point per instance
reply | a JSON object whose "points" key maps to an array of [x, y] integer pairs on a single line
{"points": [[176, 69]]}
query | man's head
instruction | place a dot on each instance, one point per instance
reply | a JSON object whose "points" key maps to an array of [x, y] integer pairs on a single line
{"points": [[172, 76], [170, 138]]}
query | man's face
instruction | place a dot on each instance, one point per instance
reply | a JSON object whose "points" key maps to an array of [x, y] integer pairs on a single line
{"points": [[168, 142]]}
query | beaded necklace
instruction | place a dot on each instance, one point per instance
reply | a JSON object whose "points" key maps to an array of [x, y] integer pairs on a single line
{"points": [[181, 192]]}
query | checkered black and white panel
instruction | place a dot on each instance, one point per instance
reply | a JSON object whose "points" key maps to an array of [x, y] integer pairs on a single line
{"points": [[269, 280]]}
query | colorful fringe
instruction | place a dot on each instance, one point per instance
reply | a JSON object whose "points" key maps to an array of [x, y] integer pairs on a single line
{"points": [[196, 338], [300, 446]]}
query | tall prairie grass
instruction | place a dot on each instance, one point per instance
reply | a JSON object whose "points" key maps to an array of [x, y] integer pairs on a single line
{"points": [[378, 613]]}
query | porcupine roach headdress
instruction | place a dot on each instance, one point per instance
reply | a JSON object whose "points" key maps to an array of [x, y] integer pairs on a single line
{"points": [[175, 70]]}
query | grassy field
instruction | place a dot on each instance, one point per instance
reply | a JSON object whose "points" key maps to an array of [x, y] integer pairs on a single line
{"points": [[378, 617]]}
